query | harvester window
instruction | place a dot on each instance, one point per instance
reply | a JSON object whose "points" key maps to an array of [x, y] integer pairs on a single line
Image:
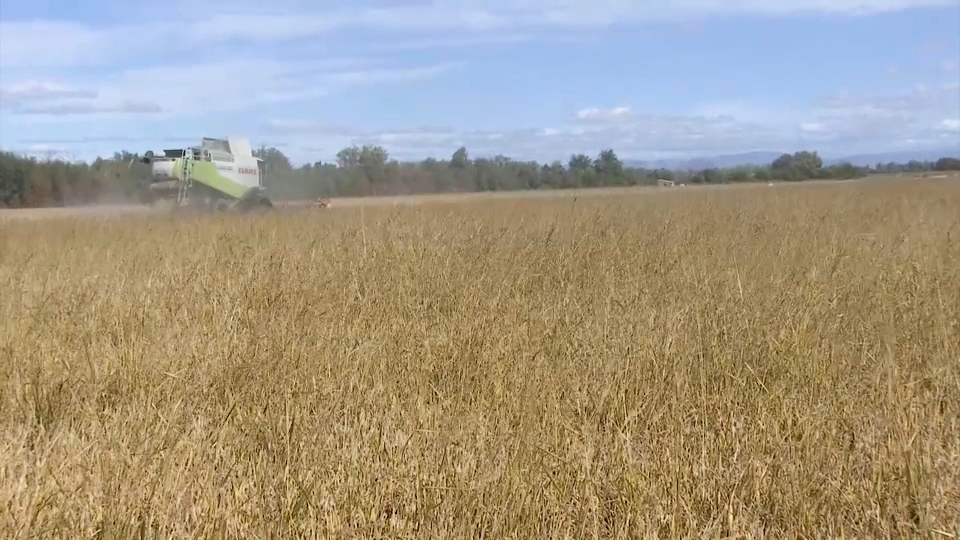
{"points": [[216, 145]]}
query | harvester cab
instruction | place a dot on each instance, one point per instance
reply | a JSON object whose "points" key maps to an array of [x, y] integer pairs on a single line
{"points": [[218, 174]]}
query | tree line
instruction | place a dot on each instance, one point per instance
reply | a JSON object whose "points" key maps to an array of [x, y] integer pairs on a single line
{"points": [[369, 170]]}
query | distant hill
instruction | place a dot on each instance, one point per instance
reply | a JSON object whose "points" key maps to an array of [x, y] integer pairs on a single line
{"points": [[765, 158], [862, 160], [699, 163]]}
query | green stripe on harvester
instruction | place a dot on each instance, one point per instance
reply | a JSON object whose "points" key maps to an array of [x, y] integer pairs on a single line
{"points": [[205, 172]]}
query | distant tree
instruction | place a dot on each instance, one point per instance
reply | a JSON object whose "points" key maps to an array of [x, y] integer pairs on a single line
{"points": [[782, 163], [460, 159], [373, 161], [738, 174], [844, 171], [348, 157], [713, 176], [664, 174], [608, 165], [579, 163], [947, 164], [274, 160], [807, 165], [369, 170]]}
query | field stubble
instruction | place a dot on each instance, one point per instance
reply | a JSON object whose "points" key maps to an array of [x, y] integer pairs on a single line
{"points": [[765, 362]]}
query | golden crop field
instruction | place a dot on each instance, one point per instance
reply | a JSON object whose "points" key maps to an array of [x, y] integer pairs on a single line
{"points": [[753, 362]]}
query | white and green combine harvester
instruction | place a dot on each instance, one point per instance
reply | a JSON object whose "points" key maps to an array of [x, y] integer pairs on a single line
{"points": [[220, 174]]}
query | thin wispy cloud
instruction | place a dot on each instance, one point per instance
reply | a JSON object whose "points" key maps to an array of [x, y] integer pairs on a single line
{"points": [[605, 116], [59, 42]]}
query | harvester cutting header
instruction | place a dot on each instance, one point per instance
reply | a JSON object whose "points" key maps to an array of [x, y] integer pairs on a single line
{"points": [[220, 174]]}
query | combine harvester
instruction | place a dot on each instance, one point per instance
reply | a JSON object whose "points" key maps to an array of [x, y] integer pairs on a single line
{"points": [[218, 175]]}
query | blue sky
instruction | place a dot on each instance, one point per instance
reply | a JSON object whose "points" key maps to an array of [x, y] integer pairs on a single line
{"points": [[537, 79]]}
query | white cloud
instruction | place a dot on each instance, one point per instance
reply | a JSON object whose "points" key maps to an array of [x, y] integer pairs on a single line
{"points": [[247, 55], [469, 41], [44, 151], [605, 116], [64, 43], [85, 108], [842, 124], [883, 120], [206, 87], [32, 91]]}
